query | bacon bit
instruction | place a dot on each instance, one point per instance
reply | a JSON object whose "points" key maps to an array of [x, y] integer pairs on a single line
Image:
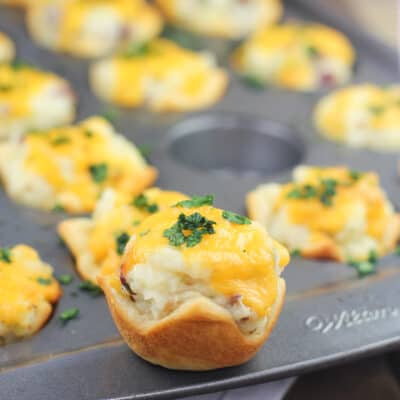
{"points": [[244, 319], [124, 32], [126, 286], [327, 79], [234, 299]]}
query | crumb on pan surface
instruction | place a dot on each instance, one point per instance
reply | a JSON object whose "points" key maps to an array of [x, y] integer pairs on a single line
{"points": [[365, 115], [218, 289], [227, 18], [31, 99], [28, 292], [98, 242], [296, 56], [7, 48], [328, 213], [92, 28], [68, 167], [160, 75]]}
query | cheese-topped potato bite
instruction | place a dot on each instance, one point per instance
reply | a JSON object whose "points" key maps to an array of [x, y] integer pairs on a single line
{"points": [[296, 56], [226, 18], [7, 49], [99, 241], [31, 99], [364, 115], [28, 292], [91, 28], [67, 168], [329, 213], [199, 287], [161, 75]]}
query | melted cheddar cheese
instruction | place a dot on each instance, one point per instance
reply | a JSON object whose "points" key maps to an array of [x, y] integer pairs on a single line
{"points": [[7, 50], [294, 56], [27, 287], [162, 74], [18, 85], [362, 116], [239, 259], [96, 27], [345, 210], [73, 164], [227, 18]]}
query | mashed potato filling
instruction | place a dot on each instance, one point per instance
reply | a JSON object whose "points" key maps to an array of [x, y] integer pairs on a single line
{"points": [[27, 290], [362, 116], [7, 49], [237, 267], [302, 57], [342, 211]]}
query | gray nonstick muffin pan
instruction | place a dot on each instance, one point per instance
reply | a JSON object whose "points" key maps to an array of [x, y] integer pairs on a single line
{"points": [[250, 137]]}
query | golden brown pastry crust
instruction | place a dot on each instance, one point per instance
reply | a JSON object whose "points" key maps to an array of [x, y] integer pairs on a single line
{"points": [[183, 339]]}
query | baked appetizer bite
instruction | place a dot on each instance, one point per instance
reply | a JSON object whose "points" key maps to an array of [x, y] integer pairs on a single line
{"points": [[295, 56], [31, 99], [19, 3], [199, 288], [328, 213], [161, 75], [92, 28], [67, 168], [99, 241], [228, 18], [7, 49], [364, 115], [28, 291]]}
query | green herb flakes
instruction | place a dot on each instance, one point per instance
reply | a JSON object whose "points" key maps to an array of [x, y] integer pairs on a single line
{"points": [[144, 233], [99, 172], [88, 133], [376, 110], [196, 201], [145, 150], [69, 314], [91, 288], [58, 208], [253, 82], [60, 140], [235, 218], [142, 202], [44, 281], [65, 279], [295, 253], [5, 255], [137, 50], [312, 51], [121, 242], [355, 175], [198, 226], [111, 115]]}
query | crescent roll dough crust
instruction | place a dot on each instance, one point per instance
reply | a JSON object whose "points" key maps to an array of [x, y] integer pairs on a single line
{"points": [[328, 213], [198, 306]]}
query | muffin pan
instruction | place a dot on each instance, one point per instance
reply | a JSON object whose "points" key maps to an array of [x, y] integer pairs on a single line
{"points": [[250, 137]]}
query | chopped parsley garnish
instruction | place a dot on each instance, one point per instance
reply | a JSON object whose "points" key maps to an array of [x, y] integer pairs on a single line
{"points": [[355, 175], [142, 202], [235, 218], [44, 281], [65, 279], [136, 222], [99, 172], [137, 50], [312, 51], [91, 288], [295, 253], [70, 313], [145, 150], [183, 38], [367, 267], [253, 82], [60, 140], [5, 255], [21, 64], [196, 201], [121, 242], [110, 114], [303, 192], [58, 208], [88, 133], [144, 233], [325, 191], [198, 226], [376, 110]]}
